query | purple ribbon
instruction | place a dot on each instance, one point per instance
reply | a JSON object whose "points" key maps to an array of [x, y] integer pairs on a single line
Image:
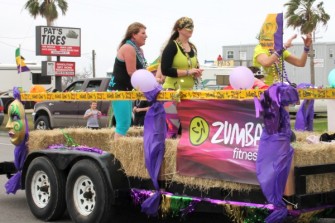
{"points": [[274, 151], [154, 147], [305, 115]]}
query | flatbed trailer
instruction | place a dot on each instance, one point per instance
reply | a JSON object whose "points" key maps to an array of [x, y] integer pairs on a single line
{"points": [[91, 182]]}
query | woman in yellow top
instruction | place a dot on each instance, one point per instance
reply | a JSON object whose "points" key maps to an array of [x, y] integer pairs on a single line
{"points": [[271, 62], [180, 67], [179, 58]]}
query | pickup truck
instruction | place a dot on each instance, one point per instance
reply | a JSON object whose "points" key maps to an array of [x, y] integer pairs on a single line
{"points": [[60, 114]]}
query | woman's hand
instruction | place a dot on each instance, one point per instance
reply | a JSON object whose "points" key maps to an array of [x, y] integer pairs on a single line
{"points": [[196, 72], [288, 43], [307, 40]]}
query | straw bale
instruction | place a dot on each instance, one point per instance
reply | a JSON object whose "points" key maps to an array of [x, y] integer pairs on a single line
{"points": [[130, 152], [41, 139], [306, 153]]}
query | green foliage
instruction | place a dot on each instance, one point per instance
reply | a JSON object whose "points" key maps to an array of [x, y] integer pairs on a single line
{"points": [[301, 14], [46, 9]]}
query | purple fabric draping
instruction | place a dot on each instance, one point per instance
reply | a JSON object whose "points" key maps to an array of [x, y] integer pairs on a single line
{"points": [[305, 115], [154, 147], [275, 152], [20, 154]]}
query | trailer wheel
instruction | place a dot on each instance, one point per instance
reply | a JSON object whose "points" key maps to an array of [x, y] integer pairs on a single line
{"points": [[45, 189], [87, 194]]}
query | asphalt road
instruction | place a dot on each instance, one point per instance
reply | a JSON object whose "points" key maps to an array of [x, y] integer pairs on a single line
{"points": [[14, 208]]}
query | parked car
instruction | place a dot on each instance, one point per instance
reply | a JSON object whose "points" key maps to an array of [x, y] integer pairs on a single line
{"points": [[7, 98], [62, 114], [2, 115]]}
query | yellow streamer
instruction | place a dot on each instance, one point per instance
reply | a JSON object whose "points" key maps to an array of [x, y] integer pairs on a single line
{"points": [[170, 95]]}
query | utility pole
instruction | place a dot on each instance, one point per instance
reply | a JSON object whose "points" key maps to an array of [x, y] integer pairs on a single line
{"points": [[93, 62]]}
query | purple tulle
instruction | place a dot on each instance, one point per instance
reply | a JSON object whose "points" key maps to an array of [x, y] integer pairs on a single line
{"points": [[79, 148], [154, 147], [274, 151], [14, 183], [305, 115]]}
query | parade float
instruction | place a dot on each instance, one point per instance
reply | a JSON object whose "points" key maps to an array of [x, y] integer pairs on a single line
{"points": [[212, 166], [236, 156]]}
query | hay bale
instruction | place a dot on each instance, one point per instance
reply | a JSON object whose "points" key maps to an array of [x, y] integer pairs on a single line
{"points": [[41, 139], [130, 152], [306, 153], [100, 138]]}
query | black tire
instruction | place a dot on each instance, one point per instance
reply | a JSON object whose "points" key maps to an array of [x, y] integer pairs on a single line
{"points": [[88, 196], [45, 190], [42, 123]]}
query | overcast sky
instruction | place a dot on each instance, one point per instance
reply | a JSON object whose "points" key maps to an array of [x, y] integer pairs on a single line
{"points": [[103, 24]]}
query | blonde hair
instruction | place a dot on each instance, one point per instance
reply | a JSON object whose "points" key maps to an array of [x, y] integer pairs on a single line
{"points": [[132, 29]]}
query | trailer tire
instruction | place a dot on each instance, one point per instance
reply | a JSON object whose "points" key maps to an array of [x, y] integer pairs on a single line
{"points": [[87, 194], [42, 123], [45, 189]]}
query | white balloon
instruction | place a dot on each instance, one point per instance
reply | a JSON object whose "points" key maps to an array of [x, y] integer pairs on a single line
{"points": [[143, 80], [241, 78]]}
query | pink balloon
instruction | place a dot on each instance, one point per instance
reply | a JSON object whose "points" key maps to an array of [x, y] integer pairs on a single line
{"points": [[143, 80], [241, 78]]}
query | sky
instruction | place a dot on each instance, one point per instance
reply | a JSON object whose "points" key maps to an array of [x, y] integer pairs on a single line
{"points": [[103, 24]]}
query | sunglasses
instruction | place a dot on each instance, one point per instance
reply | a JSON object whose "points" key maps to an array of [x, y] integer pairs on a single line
{"points": [[189, 27]]}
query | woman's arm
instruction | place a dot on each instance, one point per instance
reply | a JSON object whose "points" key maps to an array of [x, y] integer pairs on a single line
{"points": [[128, 54], [167, 59], [166, 63], [296, 61]]}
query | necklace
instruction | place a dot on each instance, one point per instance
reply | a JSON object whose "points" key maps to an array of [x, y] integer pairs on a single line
{"points": [[139, 53], [279, 72], [189, 61]]}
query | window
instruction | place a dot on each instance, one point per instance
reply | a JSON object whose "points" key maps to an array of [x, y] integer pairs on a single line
{"points": [[331, 53], [40, 79], [230, 54], [75, 86], [93, 85]]}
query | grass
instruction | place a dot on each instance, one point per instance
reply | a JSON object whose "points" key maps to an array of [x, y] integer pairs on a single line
{"points": [[320, 123]]}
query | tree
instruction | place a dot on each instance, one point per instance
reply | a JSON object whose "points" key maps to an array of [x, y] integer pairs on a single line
{"points": [[48, 10], [302, 15], [68, 80]]}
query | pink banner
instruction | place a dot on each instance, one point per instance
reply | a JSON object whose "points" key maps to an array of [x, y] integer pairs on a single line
{"points": [[219, 140]]}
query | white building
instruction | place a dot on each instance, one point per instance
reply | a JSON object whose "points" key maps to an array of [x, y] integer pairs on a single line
{"points": [[324, 61]]}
